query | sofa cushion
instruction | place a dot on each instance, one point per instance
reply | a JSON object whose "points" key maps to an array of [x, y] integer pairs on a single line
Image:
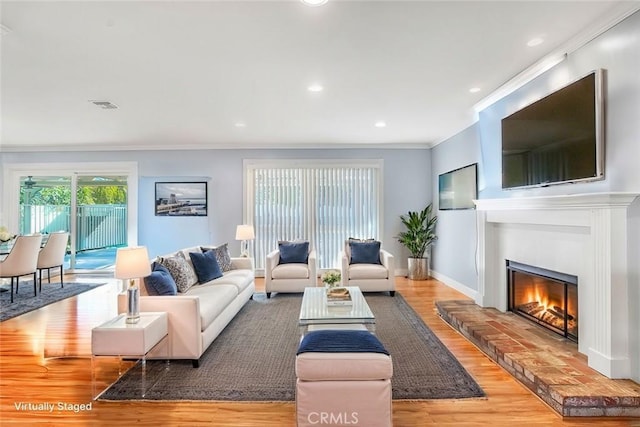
{"points": [[222, 255], [347, 246], [367, 271], [184, 253], [364, 252], [187, 251], [341, 341], [181, 271], [241, 279], [160, 281], [293, 252], [290, 271], [206, 266], [214, 299]]}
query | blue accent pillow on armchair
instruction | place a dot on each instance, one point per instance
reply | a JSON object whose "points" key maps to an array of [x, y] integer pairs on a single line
{"points": [[294, 252], [160, 281], [364, 252], [206, 265]]}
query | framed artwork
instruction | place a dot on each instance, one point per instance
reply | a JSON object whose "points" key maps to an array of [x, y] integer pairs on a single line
{"points": [[181, 199]]}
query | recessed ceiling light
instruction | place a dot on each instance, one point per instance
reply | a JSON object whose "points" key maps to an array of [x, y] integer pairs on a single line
{"points": [[474, 90], [240, 125], [314, 2], [535, 41], [380, 124], [315, 88]]}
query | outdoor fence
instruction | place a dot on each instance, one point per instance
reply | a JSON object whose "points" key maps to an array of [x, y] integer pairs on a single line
{"points": [[98, 226]]}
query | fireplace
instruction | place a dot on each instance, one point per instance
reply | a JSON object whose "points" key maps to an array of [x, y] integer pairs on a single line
{"points": [[585, 234], [546, 297]]}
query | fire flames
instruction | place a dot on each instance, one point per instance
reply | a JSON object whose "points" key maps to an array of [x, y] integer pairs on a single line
{"points": [[550, 311]]}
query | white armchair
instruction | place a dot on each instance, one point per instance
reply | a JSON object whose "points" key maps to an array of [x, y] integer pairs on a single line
{"points": [[369, 277], [291, 276]]}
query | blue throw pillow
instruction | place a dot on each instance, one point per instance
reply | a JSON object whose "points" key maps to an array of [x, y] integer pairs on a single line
{"points": [[206, 266], [294, 252], [364, 252], [160, 282]]}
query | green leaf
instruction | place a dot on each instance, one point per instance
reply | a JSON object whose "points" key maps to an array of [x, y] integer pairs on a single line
{"points": [[420, 231]]}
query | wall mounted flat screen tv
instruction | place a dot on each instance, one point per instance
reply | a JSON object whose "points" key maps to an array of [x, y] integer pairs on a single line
{"points": [[458, 188], [557, 139]]}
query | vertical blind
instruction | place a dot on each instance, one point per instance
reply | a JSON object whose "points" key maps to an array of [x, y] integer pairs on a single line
{"points": [[324, 205]]}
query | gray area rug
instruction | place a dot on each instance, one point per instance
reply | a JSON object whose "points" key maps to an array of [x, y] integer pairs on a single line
{"points": [[24, 301], [253, 358]]}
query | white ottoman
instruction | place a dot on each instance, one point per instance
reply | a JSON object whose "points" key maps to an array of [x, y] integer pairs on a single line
{"points": [[343, 387]]}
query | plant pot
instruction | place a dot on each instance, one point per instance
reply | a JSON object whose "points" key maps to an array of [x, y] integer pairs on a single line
{"points": [[419, 269]]}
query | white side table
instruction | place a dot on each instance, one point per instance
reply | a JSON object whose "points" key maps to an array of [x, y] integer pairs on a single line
{"points": [[129, 340]]}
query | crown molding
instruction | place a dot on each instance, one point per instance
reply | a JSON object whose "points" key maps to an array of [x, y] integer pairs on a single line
{"points": [[6, 148], [607, 21]]}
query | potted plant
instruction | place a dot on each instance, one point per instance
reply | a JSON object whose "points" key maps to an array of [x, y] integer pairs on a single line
{"points": [[331, 278], [419, 234]]}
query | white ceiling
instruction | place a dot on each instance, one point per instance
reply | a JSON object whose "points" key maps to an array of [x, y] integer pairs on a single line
{"points": [[184, 73]]}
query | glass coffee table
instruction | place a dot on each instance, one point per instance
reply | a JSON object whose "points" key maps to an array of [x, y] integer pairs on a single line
{"points": [[315, 313]]}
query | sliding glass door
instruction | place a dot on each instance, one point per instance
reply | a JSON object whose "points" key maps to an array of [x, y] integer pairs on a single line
{"points": [[45, 205], [92, 208], [100, 220]]}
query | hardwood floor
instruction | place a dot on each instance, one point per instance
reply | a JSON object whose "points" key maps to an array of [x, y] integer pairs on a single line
{"points": [[45, 358]]}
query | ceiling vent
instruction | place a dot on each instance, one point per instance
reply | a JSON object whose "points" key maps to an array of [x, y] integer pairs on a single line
{"points": [[105, 105]]}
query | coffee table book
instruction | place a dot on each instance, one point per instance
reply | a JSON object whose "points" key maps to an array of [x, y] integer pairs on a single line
{"points": [[339, 297]]}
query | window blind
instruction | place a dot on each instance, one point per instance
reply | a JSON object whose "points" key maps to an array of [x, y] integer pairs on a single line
{"points": [[324, 205]]}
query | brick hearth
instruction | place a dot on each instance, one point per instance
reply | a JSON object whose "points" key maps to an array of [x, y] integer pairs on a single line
{"points": [[549, 365]]}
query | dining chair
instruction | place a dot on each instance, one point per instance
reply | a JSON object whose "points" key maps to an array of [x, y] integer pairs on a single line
{"points": [[22, 261], [52, 256]]}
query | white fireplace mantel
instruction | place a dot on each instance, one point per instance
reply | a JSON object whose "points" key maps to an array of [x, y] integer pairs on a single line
{"points": [[584, 235]]}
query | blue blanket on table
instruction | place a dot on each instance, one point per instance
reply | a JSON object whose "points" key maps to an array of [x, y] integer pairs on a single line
{"points": [[341, 341]]}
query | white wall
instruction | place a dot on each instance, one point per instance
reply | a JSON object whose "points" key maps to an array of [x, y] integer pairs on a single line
{"points": [[617, 51], [407, 186], [454, 252]]}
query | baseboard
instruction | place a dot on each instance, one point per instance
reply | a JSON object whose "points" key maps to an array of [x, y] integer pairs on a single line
{"points": [[401, 272], [471, 293]]}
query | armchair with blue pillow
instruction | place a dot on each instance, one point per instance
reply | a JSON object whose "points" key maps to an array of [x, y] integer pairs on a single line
{"points": [[367, 266], [290, 268]]}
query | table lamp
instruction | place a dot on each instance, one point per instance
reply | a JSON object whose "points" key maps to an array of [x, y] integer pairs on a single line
{"points": [[245, 233], [131, 264]]}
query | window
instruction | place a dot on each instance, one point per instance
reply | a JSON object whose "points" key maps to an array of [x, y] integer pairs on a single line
{"points": [[97, 216], [323, 203]]}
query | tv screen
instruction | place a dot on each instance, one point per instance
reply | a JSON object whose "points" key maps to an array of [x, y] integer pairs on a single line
{"points": [[458, 188], [557, 139]]}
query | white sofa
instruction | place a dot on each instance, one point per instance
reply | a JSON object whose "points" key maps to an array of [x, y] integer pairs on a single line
{"points": [[197, 316]]}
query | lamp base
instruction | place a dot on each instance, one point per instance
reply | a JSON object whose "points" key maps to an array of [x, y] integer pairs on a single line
{"points": [[244, 249], [133, 304]]}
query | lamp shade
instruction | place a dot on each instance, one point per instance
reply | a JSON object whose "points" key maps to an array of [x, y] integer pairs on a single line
{"points": [[245, 232], [132, 263]]}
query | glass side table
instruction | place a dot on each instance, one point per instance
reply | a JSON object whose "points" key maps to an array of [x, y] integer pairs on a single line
{"points": [[128, 341]]}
